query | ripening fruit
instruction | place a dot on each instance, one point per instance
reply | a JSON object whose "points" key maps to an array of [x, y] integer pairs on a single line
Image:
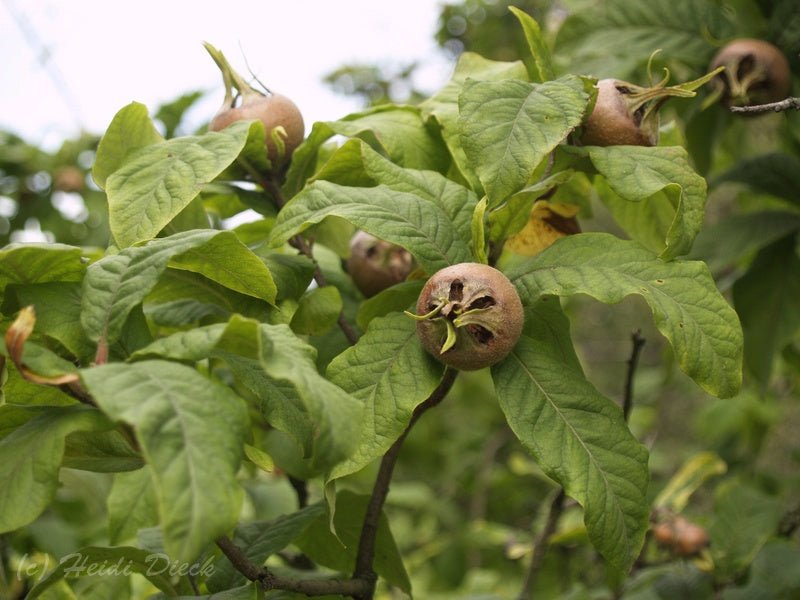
{"points": [[756, 72], [469, 316], [274, 110], [681, 536], [280, 116], [375, 265]]}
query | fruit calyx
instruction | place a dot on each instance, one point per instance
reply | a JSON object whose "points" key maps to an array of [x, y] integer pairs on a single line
{"points": [[469, 316], [628, 114], [375, 264]]}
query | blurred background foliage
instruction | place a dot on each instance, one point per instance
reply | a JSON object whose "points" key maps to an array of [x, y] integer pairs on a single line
{"points": [[467, 499]]}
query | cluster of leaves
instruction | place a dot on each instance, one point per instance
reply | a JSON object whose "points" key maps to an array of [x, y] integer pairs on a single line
{"points": [[184, 382]]}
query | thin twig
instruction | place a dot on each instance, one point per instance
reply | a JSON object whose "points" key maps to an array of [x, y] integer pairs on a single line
{"points": [[369, 529], [791, 103], [636, 350], [541, 543], [270, 581]]}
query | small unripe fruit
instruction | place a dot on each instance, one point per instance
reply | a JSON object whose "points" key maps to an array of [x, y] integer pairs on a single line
{"points": [[469, 316], [375, 265], [680, 536], [613, 123], [756, 72], [273, 110]]}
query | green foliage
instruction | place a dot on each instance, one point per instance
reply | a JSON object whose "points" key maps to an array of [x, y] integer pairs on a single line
{"points": [[191, 384]]}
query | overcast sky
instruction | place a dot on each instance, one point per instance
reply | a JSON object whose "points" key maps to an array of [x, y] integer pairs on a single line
{"points": [[72, 64]]}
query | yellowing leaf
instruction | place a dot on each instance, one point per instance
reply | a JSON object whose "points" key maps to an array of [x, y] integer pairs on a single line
{"points": [[547, 223]]}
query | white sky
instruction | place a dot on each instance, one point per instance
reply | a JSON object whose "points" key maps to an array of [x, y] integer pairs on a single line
{"points": [[108, 53]]}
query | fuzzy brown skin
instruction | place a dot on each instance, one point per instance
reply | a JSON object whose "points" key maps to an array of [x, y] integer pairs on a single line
{"points": [[611, 123], [748, 58], [375, 265], [460, 288], [273, 110], [681, 536]]}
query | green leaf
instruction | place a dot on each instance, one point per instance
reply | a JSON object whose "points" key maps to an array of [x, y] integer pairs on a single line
{"points": [[773, 574], [114, 285], [132, 505], [774, 174], [158, 181], [456, 200], [399, 132], [615, 37], [687, 307], [443, 106], [58, 311], [638, 174], [767, 299], [40, 263], [317, 311], [250, 591], [21, 392], [512, 216], [734, 237], [130, 129], [394, 299], [744, 519], [226, 260], [417, 224], [320, 415], [30, 457], [191, 431], [692, 474], [339, 552], [391, 374], [508, 127], [479, 232], [262, 539], [578, 436], [101, 452], [542, 63], [78, 564]]}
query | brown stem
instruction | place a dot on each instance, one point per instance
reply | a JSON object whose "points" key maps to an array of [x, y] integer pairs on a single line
{"points": [[541, 544], [791, 103], [270, 581], [633, 361], [369, 529]]}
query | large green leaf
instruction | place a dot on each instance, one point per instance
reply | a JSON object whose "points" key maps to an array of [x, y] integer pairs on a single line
{"points": [[421, 226], [191, 432], [578, 436], [114, 285], [130, 129], [30, 457], [391, 374], [615, 37], [397, 131], [662, 176], [443, 106], [135, 560], [156, 182], [508, 127], [356, 156], [40, 263], [687, 307], [318, 414], [767, 299], [773, 574], [132, 505]]}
